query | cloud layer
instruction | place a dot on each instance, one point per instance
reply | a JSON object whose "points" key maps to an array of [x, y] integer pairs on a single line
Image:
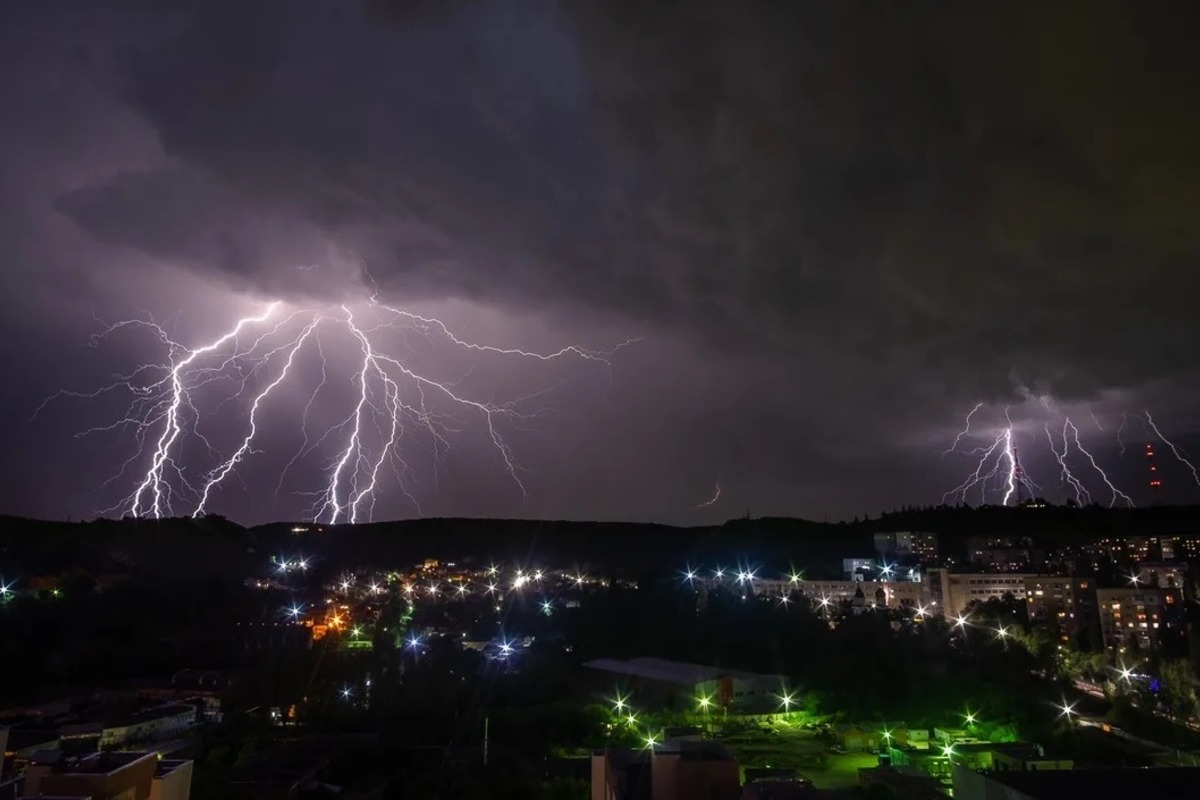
{"points": [[846, 211]]}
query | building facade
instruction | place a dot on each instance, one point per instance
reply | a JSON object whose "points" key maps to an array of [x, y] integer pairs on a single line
{"points": [[919, 546], [951, 592], [109, 776], [1069, 602], [1139, 617]]}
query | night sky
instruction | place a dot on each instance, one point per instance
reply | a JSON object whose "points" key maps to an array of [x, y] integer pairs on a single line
{"points": [[834, 228]]}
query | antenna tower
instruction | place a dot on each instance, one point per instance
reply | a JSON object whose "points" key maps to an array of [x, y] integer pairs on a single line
{"points": [[1155, 481]]}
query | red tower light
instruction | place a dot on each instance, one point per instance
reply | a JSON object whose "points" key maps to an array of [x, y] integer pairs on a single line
{"points": [[1155, 482]]}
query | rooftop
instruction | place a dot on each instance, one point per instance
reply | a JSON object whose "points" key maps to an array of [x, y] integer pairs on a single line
{"points": [[688, 750], [95, 764], [677, 672]]}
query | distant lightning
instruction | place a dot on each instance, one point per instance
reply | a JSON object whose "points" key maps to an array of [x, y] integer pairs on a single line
{"points": [[154, 481], [997, 464], [715, 497], [219, 474], [999, 473], [390, 398], [964, 432], [1178, 453], [1116, 493], [1082, 496]]}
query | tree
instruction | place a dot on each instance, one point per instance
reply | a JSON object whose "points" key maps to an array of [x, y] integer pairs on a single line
{"points": [[1177, 680]]}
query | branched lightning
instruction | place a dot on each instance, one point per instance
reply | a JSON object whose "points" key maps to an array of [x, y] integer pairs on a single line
{"points": [[221, 472], [1116, 493], [1082, 496], [1179, 454], [390, 399], [998, 466], [998, 472], [966, 431]]}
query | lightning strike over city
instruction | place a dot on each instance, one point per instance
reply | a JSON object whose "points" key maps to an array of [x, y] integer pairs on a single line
{"points": [[998, 467], [393, 406], [998, 475]]}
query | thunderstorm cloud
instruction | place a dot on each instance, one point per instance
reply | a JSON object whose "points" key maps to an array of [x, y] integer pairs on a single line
{"points": [[835, 226]]}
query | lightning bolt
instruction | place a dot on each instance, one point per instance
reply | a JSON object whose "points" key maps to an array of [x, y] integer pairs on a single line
{"points": [[390, 399], [219, 474], [1082, 496], [1178, 453], [1116, 493], [997, 463], [964, 432], [154, 481], [715, 497], [998, 470]]}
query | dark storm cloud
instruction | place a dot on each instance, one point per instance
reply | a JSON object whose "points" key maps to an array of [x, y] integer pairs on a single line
{"points": [[838, 224], [987, 193]]}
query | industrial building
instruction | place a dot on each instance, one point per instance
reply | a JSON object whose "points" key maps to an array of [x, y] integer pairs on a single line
{"points": [[1077, 784], [674, 770], [108, 776]]}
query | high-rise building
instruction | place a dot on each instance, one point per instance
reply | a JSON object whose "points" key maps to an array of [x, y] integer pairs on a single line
{"points": [[1067, 601], [920, 546], [1139, 616]]}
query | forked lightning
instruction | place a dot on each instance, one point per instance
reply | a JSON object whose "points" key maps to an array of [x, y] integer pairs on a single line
{"points": [[998, 473], [390, 398]]}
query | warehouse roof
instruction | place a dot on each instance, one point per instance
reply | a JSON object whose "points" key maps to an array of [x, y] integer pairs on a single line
{"points": [[677, 672]]}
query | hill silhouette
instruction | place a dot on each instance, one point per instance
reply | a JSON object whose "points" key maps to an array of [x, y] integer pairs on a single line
{"points": [[216, 546]]}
